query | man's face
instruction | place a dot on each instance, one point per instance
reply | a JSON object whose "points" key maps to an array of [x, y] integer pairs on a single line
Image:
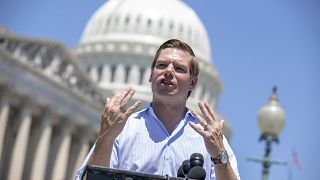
{"points": [[171, 74]]}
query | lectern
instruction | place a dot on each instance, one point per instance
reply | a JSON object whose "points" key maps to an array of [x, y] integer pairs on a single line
{"points": [[103, 173]]}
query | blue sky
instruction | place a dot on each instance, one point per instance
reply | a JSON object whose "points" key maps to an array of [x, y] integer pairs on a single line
{"points": [[255, 45]]}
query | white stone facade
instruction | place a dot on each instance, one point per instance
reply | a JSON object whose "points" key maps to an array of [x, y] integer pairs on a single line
{"points": [[49, 110]]}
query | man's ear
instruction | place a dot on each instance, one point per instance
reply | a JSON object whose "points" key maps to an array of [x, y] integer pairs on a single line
{"points": [[194, 82]]}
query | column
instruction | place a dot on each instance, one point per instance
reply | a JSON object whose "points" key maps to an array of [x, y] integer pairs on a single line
{"points": [[146, 76], [212, 102], [119, 74], [106, 74], [93, 73], [41, 149], [207, 94], [59, 154], [79, 150], [4, 115], [197, 91], [134, 75], [83, 151], [20, 145]]}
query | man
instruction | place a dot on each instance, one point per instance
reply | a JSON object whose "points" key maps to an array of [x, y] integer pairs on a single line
{"points": [[159, 138]]}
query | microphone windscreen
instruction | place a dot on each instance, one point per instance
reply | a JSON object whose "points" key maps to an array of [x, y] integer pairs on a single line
{"points": [[197, 172], [180, 172], [184, 168], [196, 159]]}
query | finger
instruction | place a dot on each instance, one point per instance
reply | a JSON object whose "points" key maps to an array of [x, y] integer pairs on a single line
{"points": [[205, 112], [221, 124], [117, 99], [132, 108], [197, 128], [211, 112], [126, 99], [202, 121], [105, 105]]}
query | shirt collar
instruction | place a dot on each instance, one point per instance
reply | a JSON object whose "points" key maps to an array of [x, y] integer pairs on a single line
{"points": [[188, 116]]}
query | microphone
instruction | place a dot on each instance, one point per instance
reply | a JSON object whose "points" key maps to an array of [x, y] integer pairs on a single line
{"points": [[193, 168], [184, 169], [196, 164], [196, 159], [196, 172]]}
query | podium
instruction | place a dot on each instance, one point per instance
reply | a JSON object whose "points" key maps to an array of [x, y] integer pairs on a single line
{"points": [[103, 173]]}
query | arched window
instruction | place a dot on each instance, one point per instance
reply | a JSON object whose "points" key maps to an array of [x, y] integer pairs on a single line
{"points": [[138, 20], [116, 20], [127, 20], [127, 71], [113, 71], [203, 92], [141, 77], [149, 23], [100, 72], [181, 29], [88, 69], [160, 23], [171, 26]]}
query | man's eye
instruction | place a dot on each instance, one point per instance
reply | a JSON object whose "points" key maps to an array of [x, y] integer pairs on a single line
{"points": [[160, 65], [180, 69]]}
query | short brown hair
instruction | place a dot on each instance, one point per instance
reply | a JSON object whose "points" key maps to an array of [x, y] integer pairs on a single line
{"points": [[175, 43]]}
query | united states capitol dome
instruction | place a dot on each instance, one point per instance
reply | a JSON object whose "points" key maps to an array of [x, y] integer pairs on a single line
{"points": [[121, 38], [150, 22]]}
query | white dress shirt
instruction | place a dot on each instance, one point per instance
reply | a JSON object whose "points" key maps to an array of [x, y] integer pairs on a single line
{"points": [[145, 146]]}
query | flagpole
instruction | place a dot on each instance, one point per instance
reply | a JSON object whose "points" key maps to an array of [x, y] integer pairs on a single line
{"points": [[289, 172]]}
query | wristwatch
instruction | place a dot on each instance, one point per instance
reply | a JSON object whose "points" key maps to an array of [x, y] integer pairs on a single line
{"points": [[223, 158]]}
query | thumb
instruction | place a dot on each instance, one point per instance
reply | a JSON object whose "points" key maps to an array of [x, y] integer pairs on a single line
{"points": [[221, 123]]}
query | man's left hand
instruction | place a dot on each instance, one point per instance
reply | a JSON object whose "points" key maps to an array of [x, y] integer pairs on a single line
{"points": [[210, 129]]}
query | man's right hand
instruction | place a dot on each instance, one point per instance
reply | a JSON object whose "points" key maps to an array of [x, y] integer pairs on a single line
{"points": [[116, 114], [113, 119]]}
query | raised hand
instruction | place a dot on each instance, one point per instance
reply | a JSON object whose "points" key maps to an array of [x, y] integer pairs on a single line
{"points": [[210, 129], [116, 113], [113, 119]]}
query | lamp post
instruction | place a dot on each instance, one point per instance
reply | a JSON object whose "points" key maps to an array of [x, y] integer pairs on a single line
{"points": [[271, 120]]}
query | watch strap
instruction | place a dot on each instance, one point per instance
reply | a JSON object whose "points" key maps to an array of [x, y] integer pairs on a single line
{"points": [[223, 158]]}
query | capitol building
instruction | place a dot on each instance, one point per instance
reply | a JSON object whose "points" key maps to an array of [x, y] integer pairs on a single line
{"points": [[51, 97]]}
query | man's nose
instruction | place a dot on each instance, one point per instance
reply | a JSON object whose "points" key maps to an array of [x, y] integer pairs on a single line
{"points": [[169, 71]]}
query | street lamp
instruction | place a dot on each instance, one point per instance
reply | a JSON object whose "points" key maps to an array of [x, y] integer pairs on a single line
{"points": [[271, 119]]}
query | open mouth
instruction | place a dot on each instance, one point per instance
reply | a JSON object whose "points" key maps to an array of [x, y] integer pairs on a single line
{"points": [[166, 83]]}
